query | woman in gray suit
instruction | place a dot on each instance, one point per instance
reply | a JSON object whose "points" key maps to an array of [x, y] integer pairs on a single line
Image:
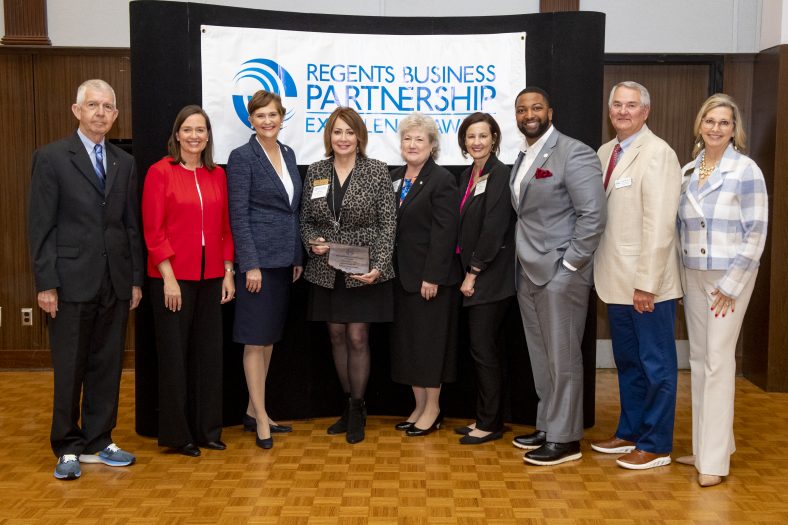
{"points": [[265, 194], [348, 200]]}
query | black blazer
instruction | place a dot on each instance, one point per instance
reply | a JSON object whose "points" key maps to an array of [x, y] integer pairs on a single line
{"points": [[487, 234], [75, 230], [263, 221], [427, 223]]}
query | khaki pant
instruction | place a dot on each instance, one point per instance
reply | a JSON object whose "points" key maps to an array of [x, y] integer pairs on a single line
{"points": [[712, 343]]}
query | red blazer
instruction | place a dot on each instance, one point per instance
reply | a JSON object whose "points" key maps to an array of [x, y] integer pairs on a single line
{"points": [[173, 221]]}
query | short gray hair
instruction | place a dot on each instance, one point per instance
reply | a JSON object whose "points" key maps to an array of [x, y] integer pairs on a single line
{"points": [[420, 121], [645, 98], [97, 85]]}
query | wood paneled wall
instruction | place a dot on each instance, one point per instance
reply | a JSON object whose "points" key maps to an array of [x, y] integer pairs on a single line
{"points": [[765, 329], [37, 88]]}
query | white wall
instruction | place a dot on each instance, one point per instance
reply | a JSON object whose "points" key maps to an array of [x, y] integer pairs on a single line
{"points": [[679, 26], [774, 22], [633, 26], [784, 39], [107, 22]]}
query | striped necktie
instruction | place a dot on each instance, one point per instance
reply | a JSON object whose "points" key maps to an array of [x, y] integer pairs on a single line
{"points": [[100, 173]]}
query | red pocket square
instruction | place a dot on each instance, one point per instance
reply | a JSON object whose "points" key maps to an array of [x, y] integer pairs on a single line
{"points": [[543, 174]]}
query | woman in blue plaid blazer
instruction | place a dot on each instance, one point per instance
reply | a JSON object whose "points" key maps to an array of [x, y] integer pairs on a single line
{"points": [[722, 220]]}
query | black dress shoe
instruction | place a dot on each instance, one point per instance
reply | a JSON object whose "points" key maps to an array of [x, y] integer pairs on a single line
{"points": [[189, 449], [476, 440], [250, 423], [415, 431], [280, 429], [530, 441], [404, 425], [463, 431], [214, 445], [264, 443], [554, 453]]}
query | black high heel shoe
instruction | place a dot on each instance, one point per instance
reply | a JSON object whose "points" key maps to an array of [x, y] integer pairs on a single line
{"points": [[264, 443], [404, 425], [415, 431], [250, 425]]}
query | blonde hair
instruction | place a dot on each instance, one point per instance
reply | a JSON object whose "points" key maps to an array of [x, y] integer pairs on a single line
{"points": [[720, 100]]}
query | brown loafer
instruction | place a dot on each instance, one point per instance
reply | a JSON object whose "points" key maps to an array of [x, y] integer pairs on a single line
{"points": [[709, 480], [613, 445], [642, 460]]}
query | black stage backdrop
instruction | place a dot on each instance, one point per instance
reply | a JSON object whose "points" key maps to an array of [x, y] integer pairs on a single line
{"points": [[564, 55]]}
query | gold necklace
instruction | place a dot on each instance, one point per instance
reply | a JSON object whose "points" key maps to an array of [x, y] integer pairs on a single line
{"points": [[704, 172]]}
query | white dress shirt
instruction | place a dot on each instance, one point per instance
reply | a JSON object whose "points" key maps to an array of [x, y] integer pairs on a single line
{"points": [[531, 153]]}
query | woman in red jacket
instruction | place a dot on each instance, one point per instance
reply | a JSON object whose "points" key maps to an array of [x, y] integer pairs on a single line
{"points": [[190, 263]]}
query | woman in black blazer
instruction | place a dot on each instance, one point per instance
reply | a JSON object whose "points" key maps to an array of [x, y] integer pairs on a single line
{"points": [[486, 245], [426, 302], [348, 200], [264, 189]]}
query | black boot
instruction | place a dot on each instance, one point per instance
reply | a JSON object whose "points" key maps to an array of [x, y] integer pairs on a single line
{"points": [[340, 425], [357, 419]]}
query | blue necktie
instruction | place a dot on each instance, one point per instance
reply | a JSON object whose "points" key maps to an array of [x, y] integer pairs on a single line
{"points": [[100, 173]]}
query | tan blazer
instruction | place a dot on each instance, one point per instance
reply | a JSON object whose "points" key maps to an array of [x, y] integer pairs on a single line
{"points": [[639, 248]]}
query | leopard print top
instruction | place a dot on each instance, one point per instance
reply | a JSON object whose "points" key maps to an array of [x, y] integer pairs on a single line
{"points": [[368, 219]]}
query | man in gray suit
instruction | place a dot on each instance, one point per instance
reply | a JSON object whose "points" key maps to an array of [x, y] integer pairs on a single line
{"points": [[560, 204]]}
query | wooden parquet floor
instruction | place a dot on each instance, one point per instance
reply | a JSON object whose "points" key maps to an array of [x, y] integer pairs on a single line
{"points": [[312, 478]]}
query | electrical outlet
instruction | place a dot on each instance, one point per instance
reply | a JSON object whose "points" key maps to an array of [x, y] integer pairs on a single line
{"points": [[27, 317]]}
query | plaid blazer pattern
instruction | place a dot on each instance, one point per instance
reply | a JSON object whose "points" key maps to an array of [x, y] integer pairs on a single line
{"points": [[723, 225]]}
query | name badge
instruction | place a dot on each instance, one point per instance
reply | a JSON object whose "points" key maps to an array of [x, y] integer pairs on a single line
{"points": [[320, 188], [623, 183], [395, 185], [481, 186]]}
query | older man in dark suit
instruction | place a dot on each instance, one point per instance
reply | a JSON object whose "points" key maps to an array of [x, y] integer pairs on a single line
{"points": [[560, 204], [87, 261]]}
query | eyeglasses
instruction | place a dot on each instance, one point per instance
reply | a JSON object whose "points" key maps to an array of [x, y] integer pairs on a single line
{"points": [[710, 123]]}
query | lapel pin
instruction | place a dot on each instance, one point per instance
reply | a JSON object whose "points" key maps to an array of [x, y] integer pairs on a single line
{"points": [[546, 155]]}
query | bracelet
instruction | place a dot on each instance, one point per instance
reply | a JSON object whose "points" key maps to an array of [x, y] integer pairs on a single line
{"points": [[230, 270]]}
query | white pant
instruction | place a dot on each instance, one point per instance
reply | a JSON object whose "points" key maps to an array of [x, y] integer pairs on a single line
{"points": [[712, 343]]}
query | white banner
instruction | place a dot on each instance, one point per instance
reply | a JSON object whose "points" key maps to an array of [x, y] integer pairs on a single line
{"points": [[383, 77]]}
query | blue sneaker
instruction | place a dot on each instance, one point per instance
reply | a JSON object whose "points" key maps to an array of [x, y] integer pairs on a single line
{"points": [[113, 456], [67, 467]]}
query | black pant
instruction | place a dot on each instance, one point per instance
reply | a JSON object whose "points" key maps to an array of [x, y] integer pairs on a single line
{"points": [[484, 322], [189, 348], [87, 357]]}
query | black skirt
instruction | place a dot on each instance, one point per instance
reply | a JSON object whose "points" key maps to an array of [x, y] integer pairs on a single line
{"points": [[424, 337], [371, 303], [260, 317]]}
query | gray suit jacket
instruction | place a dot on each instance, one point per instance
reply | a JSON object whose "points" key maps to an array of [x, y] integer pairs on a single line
{"points": [[561, 210]]}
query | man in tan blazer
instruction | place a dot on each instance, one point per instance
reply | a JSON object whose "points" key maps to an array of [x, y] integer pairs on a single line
{"points": [[636, 272]]}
